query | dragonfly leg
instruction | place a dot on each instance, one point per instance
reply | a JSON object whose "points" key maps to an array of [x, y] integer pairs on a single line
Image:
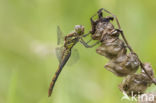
{"points": [[88, 46], [86, 34], [89, 41]]}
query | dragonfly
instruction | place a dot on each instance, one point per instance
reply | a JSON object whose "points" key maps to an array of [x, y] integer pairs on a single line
{"points": [[60, 47], [69, 42]]}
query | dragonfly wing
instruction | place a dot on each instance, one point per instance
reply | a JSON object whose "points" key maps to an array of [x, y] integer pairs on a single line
{"points": [[60, 41], [60, 37], [59, 53], [74, 57], [59, 50]]}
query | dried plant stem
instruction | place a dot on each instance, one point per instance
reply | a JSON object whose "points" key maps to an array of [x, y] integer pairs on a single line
{"points": [[129, 47], [141, 64]]}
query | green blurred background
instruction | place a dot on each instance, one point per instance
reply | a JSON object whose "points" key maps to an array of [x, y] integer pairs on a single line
{"points": [[28, 39]]}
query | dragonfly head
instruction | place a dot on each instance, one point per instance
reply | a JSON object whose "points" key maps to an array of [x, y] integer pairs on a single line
{"points": [[79, 29]]}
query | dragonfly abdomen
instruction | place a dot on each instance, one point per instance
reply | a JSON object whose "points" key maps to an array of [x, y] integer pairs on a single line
{"points": [[65, 57]]}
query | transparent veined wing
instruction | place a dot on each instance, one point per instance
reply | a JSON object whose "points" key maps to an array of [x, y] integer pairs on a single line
{"points": [[59, 53], [74, 57], [60, 37], [59, 50]]}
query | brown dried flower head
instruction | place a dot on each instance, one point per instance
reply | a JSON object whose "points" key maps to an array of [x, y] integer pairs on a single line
{"points": [[137, 83], [123, 65]]}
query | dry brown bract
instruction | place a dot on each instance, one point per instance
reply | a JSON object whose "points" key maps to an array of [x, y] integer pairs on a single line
{"points": [[120, 63], [136, 84]]}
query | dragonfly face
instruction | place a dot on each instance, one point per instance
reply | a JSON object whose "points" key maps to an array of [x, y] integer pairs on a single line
{"points": [[79, 29], [72, 38]]}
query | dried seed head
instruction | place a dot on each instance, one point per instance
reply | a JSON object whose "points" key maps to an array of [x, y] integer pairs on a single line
{"points": [[111, 49], [149, 69], [123, 65], [120, 63], [137, 83], [132, 62], [134, 85], [102, 28]]}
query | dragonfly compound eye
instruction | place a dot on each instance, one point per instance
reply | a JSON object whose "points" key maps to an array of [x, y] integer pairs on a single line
{"points": [[79, 29]]}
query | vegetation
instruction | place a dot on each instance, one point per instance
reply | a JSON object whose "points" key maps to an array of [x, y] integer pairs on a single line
{"points": [[28, 39]]}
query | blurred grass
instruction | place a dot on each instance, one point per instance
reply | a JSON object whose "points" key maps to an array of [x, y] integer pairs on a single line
{"points": [[28, 38]]}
